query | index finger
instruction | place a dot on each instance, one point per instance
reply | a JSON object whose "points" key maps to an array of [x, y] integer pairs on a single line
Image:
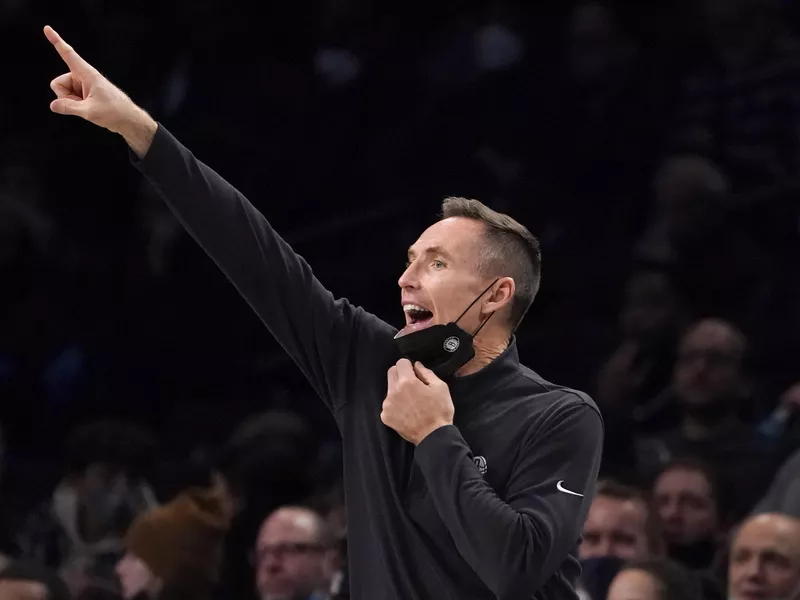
{"points": [[65, 51]]}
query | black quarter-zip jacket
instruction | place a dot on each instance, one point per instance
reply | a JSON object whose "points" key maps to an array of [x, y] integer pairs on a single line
{"points": [[489, 507]]}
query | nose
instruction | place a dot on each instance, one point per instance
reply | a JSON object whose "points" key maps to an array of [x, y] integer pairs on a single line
{"points": [[670, 511], [604, 547], [753, 570], [273, 563], [408, 279]]}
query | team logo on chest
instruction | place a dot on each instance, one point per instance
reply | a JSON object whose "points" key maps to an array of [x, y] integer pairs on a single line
{"points": [[480, 462]]}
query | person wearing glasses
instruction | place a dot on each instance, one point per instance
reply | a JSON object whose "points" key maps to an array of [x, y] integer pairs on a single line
{"points": [[295, 556]]}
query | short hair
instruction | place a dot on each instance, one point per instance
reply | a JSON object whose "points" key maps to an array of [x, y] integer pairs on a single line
{"points": [[696, 465], [325, 535], [510, 250], [610, 488], [675, 582]]}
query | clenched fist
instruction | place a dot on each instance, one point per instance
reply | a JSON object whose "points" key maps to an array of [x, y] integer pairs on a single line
{"points": [[417, 402], [84, 92]]}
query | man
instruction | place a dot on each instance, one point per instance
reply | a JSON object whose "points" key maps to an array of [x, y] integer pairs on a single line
{"points": [[294, 556], [467, 475], [765, 559], [710, 385], [79, 531], [620, 524], [686, 497], [263, 465], [620, 528]]}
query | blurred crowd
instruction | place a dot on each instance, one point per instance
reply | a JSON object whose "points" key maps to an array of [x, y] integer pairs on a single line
{"points": [[157, 442]]}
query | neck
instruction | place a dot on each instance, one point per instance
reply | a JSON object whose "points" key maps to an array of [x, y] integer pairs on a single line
{"points": [[486, 350]]}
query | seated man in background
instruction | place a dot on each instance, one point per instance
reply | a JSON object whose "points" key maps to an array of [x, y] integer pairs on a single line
{"points": [[710, 386], [765, 559], [620, 527], [686, 497], [295, 556]]}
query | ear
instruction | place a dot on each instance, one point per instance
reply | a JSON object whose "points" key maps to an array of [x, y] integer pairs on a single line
{"points": [[499, 296], [332, 562]]}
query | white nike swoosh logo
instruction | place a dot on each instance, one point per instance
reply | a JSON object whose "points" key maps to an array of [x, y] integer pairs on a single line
{"points": [[561, 488]]}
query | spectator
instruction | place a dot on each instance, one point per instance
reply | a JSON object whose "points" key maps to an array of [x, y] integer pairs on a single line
{"points": [[710, 386], [652, 317], [765, 559], [174, 552], [654, 580], [687, 499], [80, 530], [620, 527], [265, 464], [720, 265], [295, 557], [620, 524]]}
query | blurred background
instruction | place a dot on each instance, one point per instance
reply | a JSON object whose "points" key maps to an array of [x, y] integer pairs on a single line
{"points": [[653, 147]]}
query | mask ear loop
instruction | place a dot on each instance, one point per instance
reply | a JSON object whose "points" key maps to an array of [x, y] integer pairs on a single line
{"points": [[473, 303], [481, 325]]}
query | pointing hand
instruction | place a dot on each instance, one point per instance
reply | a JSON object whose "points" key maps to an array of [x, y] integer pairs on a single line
{"points": [[84, 92]]}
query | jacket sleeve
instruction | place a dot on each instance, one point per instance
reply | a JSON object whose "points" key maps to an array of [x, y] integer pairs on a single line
{"points": [[323, 335], [516, 544]]}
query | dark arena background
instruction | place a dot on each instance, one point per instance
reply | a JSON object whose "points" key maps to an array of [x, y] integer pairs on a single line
{"points": [[652, 147]]}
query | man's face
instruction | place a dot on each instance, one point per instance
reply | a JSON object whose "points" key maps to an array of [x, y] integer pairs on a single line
{"points": [[441, 279], [707, 371], [290, 562], [689, 195], [106, 502], [616, 528], [765, 559], [651, 307], [686, 507]]}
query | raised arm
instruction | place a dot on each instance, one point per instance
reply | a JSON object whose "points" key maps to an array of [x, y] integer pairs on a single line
{"points": [[323, 335]]}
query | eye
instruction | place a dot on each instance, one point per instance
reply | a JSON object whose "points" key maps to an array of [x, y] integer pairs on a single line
{"points": [[438, 264]]}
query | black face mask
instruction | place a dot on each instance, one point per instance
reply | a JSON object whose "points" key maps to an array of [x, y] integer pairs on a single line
{"points": [[443, 349], [598, 573], [698, 555]]}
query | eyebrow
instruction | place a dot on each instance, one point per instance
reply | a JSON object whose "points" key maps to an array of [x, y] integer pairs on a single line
{"points": [[430, 250]]}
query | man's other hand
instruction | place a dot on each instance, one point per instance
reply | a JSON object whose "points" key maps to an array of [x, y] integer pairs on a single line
{"points": [[417, 402], [84, 92]]}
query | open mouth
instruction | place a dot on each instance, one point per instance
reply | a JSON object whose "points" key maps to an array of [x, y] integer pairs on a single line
{"points": [[417, 317], [416, 314]]}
